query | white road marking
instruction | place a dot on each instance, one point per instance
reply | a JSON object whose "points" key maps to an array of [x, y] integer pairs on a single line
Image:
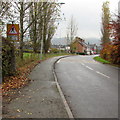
{"points": [[69, 112], [96, 71], [89, 67], [102, 74], [82, 63], [58, 61]]}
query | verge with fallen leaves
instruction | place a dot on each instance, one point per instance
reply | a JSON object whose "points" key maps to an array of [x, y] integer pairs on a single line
{"points": [[19, 80]]}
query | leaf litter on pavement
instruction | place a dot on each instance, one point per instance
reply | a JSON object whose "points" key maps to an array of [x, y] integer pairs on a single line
{"points": [[19, 80]]}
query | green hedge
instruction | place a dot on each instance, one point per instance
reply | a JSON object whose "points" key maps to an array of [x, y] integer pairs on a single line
{"points": [[8, 57]]}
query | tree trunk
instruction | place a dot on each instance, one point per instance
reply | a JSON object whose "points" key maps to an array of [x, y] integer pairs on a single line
{"points": [[21, 30], [35, 29]]}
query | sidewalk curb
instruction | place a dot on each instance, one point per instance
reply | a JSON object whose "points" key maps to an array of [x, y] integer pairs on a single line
{"points": [[68, 110]]}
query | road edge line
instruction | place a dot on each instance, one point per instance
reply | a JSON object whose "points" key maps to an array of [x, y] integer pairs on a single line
{"points": [[68, 110]]}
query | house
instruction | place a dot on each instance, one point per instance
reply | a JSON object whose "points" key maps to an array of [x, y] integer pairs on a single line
{"points": [[78, 46], [91, 49]]}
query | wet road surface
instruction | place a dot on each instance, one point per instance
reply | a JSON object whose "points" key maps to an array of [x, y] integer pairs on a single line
{"points": [[91, 88]]}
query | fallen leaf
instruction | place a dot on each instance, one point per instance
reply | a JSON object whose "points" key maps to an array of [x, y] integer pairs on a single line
{"points": [[18, 110], [18, 115], [29, 113]]}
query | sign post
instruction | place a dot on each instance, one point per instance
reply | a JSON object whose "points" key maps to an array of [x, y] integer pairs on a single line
{"points": [[13, 32]]}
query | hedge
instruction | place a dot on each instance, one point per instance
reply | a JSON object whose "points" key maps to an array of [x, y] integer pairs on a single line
{"points": [[111, 52], [8, 57]]}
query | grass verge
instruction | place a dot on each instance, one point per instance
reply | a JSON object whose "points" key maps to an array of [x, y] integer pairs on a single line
{"points": [[33, 57], [24, 67], [99, 59]]}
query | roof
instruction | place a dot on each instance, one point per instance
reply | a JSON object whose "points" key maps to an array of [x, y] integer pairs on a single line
{"points": [[81, 41]]}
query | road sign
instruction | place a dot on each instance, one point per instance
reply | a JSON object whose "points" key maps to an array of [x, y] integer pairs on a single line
{"points": [[13, 31]]}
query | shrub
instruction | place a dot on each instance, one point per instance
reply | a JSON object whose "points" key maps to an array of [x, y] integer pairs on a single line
{"points": [[79, 53], [54, 50], [8, 57], [111, 52]]}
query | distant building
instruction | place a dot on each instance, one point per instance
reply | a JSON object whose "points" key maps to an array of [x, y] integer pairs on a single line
{"points": [[78, 46], [93, 48], [81, 47]]}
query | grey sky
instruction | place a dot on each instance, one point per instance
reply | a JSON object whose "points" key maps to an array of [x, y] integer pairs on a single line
{"points": [[87, 15]]}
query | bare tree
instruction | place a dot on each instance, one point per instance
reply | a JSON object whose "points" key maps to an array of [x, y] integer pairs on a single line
{"points": [[72, 30], [41, 23], [50, 14], [4, 9], [22, 8], [43, 28], [6, 14], [105, 23], [33, 29]]}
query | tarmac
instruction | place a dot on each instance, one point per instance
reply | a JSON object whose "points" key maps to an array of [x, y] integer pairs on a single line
{"points": [[41, 98]]}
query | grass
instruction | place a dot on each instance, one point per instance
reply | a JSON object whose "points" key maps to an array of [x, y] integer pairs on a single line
{"points": [[34, 57], [24, 67], [27, 59], [53, 55], [99, 59]]}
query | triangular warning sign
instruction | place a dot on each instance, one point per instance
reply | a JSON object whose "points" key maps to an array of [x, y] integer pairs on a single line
{"points": [[12, 30]]}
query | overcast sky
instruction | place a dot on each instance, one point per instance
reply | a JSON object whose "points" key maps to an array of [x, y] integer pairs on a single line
{"points": [[87, 15]]}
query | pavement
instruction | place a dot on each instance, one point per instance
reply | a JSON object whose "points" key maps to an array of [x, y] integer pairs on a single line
{"points": [[90, 87], [39, 99]]}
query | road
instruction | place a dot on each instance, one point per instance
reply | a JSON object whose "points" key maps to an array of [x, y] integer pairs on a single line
{"points": [[90, 88]]}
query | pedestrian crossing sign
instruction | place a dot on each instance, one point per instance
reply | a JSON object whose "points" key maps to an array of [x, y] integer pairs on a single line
{"points": [[13, 31]]}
